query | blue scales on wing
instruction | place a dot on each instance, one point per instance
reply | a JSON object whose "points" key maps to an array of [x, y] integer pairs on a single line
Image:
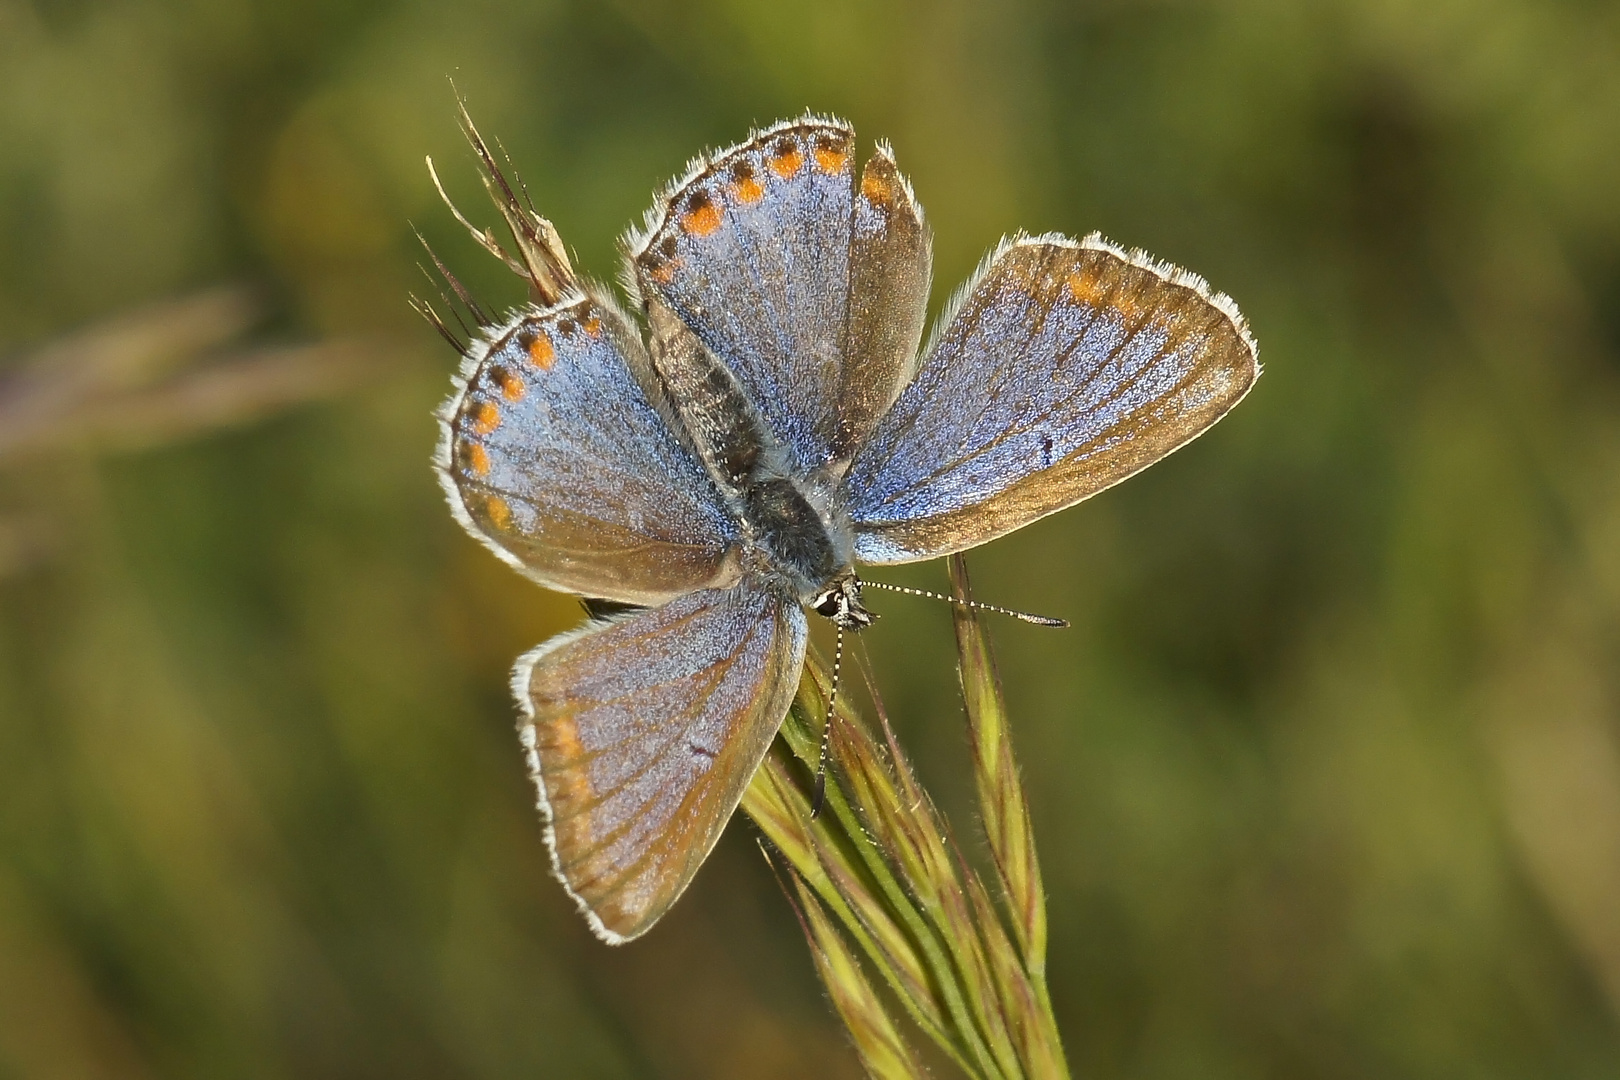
{"points": [[553, 454], [811, 288], [643, 732], [1065, 368]]}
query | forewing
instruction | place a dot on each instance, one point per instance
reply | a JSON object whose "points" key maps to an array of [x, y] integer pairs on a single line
{"points": [[1066, 368], [890, 261], [810, 291], [641, 735], [553, 455]]}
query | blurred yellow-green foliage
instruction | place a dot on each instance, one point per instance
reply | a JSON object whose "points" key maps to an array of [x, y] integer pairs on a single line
{"points": [[1326, 779]]}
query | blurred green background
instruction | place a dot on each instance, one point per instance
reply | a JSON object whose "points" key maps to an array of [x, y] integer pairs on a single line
{"points": [[1326, 777]]}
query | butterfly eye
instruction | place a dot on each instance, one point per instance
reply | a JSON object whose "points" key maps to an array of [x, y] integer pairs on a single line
{"points": [[827, 603]]}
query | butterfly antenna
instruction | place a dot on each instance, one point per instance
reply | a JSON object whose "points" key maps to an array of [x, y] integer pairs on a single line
{"points": [[826, 731], [1038, 620]]}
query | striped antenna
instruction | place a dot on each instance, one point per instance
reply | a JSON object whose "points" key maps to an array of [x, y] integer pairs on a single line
{"points": [[826, 731], [1038, 620]]}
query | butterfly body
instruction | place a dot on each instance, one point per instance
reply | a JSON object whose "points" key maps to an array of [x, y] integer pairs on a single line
{"points": [[796, 528], [779, 422]]}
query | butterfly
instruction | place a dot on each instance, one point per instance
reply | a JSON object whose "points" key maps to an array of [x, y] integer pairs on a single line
{"points": [[717, 468]]}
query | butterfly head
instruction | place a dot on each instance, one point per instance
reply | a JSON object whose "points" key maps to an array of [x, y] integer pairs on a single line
{"points": [[840, 601]]}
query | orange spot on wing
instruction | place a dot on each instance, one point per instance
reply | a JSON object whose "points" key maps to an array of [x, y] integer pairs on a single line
{"points": [[563, 768], [831, 159], [500, 515], [1094, 291], [512, 388], [477, 459], [786, 160], [702, 217], [745, 188], [561, 749], [486, 417], [1086, 289], [541, 352], [664, 272], [593, 326], [877, 189]]}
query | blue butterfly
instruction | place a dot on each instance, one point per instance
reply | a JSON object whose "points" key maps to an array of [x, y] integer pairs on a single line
{"points": [[721, 465]]}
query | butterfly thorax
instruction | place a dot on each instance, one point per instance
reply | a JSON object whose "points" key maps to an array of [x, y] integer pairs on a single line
{"points": [[791, 536], [807, 542]]}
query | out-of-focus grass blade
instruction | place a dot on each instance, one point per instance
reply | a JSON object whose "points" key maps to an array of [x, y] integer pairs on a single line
{"points": [[169, 372], [878, 1042]]}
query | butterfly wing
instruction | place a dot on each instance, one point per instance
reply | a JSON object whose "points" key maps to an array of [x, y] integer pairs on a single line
{"points": [[643, 732], [809, 288], [1065, 368], [890, 263], [553, 454]]}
